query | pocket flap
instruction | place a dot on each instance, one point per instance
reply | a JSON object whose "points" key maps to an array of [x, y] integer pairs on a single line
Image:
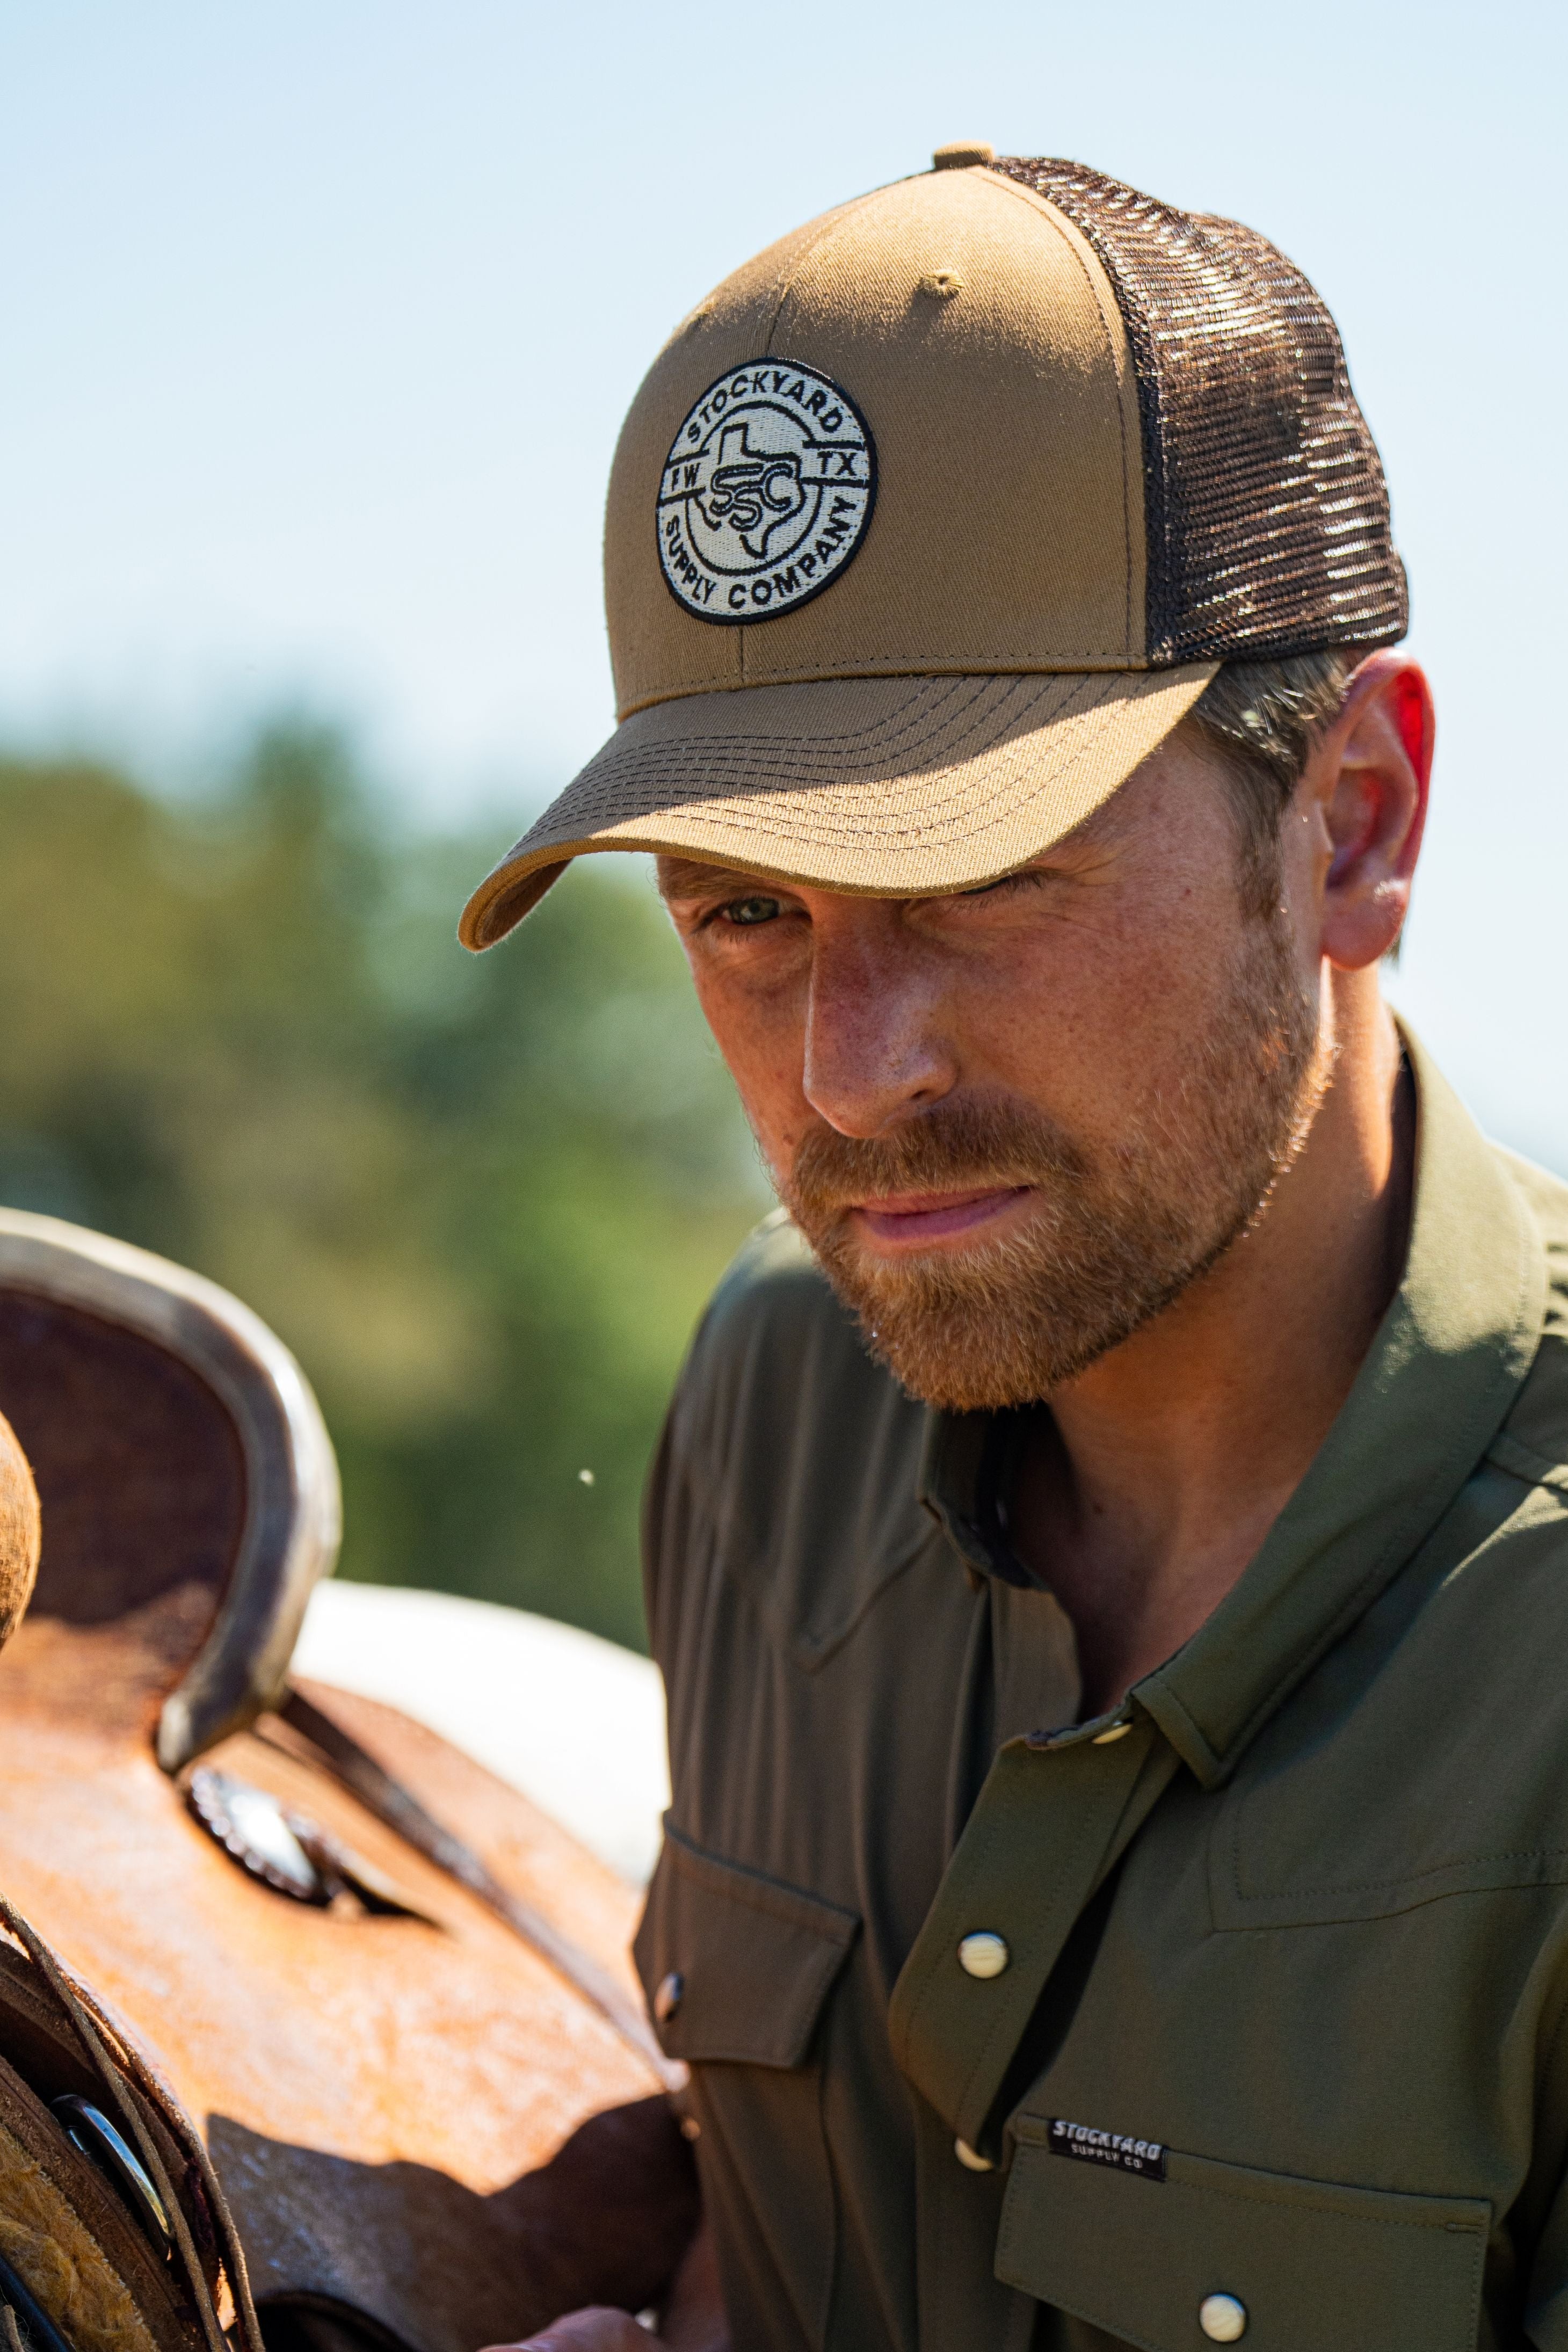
{"points": [[1139, 2252], [736, 1965]]}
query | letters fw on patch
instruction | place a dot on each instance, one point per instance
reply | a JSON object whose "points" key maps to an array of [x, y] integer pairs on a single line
{"points": [[766, 493]]}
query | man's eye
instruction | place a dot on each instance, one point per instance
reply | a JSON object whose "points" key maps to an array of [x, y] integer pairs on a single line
{"points": [[746, 912]]}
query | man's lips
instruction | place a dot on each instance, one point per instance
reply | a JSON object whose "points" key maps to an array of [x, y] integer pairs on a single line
{"points": [[910, 1220]]}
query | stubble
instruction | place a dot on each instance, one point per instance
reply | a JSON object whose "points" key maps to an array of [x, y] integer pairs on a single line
{"points": [[1117, 1233]]}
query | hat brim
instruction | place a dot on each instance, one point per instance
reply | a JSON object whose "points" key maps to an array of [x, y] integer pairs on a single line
{"points": [[897, 787]]}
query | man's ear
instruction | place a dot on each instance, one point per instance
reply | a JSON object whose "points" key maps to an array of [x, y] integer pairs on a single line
{"points": [[1369, 775]]}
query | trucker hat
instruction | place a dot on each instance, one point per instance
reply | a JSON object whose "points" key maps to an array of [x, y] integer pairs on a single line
{"points": [[929, 524]]}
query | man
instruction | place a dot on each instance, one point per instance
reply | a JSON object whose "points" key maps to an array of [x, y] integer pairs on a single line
{"points": [[1107, 1556]]}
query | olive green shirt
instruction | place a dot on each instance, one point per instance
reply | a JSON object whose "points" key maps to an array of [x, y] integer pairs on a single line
{"points": [[1284, 2012]]}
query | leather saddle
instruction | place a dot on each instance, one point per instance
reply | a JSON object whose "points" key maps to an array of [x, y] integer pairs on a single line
{"points": [[394, 1995]]}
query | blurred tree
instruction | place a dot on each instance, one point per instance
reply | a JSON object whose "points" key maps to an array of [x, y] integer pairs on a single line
{"points": [[483, 1198]]}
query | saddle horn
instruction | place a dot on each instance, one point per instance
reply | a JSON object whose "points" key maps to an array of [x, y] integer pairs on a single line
{"points": [[93, 1331]]}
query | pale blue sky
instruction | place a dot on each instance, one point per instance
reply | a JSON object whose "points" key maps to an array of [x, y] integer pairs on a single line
{"points": [[321, 317]]}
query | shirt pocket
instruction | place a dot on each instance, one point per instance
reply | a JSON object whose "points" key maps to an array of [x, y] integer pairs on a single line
{"points": [[1289, 2264], [736, 1966]]}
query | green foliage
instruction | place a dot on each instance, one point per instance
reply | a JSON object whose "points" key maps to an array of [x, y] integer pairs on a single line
{"points": [[481, 1198]]}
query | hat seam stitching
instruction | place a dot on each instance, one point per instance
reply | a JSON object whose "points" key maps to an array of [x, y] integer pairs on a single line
{"points": [[928, 665], [785, 760], [829, 228], [847, 734], [887, 730], [735, 805], [1078, 244], [1150, 683], [945, 752]]}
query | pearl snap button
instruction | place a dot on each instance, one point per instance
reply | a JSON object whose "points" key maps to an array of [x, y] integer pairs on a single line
{"points": [[1222, 2318], [971, 2158], [983, 1953], [666, 2000]]}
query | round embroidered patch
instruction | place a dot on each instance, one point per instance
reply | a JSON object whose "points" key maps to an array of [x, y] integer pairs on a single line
{"points": [[765, 494]]}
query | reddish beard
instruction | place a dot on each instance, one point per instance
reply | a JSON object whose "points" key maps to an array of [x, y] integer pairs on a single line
{"points": [[1114, 1234]]}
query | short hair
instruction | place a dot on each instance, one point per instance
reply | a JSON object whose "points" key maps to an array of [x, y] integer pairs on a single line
{"points": [[1263, 718]]}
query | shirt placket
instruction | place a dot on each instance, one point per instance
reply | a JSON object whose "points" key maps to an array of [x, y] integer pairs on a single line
{"points": [[1057, 1812]]}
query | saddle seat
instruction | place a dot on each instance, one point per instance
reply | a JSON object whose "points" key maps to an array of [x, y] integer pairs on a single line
{"points": [[429, 2136]]}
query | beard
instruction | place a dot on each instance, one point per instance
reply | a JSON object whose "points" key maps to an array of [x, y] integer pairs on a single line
{"points": [[1116, 1232]]}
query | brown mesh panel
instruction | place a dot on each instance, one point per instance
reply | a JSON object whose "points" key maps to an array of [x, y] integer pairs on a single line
{"points": [[1268, 515]]}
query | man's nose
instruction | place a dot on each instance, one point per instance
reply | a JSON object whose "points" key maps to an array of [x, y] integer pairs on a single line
{"points": [[876, 1050]]}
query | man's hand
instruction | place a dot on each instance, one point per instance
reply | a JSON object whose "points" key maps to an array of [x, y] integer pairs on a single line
{"points": [[693, 2319], [597, 2330]]}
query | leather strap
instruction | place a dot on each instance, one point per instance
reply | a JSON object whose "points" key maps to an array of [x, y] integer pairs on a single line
{"points": [[118, 2063], [391, 1803]]}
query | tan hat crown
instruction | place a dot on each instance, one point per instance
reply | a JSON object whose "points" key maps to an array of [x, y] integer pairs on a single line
{"points": [[1008, 420], [1008, 530]]}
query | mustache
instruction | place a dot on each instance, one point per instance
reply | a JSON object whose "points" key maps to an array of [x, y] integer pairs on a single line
{"points": [[947, 1148]]}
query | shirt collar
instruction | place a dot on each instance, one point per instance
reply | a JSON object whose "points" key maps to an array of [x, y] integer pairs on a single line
{"points": [[966, 1468], [1436, 1383]]}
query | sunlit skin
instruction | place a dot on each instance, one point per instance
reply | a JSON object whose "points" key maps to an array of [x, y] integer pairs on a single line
{"points": [[693, 2321], [1167, 1461], [1162, 1467]]}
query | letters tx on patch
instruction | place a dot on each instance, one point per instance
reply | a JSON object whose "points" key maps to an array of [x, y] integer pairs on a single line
{"points": [[1146, 2156], [766, 493]]}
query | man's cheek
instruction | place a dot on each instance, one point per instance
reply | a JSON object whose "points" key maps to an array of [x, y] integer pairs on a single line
{"points": [[766, 1059], [775, 1111]]}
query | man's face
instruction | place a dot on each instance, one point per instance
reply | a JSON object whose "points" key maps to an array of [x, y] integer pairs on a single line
{"points": [[1015, 1123]]}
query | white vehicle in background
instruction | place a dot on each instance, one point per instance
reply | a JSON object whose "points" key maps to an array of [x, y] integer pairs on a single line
{"points": [[575, 1722]]}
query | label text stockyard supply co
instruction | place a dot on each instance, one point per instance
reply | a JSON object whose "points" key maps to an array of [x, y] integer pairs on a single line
{"points": [[1145, 2156]]}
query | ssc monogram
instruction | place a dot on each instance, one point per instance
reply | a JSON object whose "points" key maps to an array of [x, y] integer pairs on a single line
{"points": [[766, 493]]}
